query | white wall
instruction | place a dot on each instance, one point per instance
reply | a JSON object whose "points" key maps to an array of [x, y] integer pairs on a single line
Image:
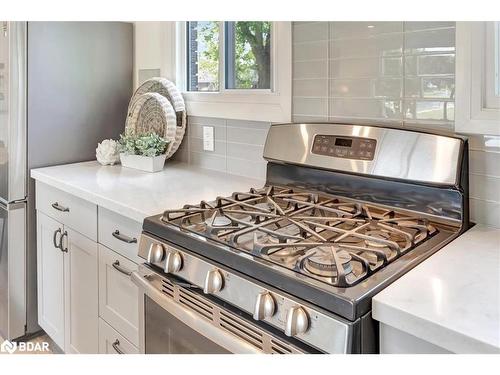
{"points": [[154, 48]]}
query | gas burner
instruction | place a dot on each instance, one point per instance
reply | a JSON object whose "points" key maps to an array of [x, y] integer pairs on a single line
{"points": [[218, 221], [326, 260]]}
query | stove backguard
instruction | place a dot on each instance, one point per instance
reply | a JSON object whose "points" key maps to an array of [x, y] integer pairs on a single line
{"points": [[410, 170], [445, 203]]}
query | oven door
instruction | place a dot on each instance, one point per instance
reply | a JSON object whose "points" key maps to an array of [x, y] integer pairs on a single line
{"points": [[176, 318]]}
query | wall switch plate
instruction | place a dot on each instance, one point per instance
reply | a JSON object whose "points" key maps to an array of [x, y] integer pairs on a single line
{"points": [[208, 138]]}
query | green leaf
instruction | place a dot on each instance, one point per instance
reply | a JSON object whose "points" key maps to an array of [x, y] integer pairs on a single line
{"points": [[150, 144]]}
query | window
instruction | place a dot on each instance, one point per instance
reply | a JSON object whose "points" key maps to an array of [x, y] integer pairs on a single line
{"points": [[242, 52], [248, 55], [239, 70], [203, 56]]}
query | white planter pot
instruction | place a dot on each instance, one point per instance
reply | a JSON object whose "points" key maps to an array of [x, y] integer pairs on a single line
{"points": [[143, 163]]}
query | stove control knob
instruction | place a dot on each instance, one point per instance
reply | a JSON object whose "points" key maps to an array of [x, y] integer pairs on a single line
{"points": [[264, 306], [173, 263], [156, 253], [297, 321], [213, 282]]}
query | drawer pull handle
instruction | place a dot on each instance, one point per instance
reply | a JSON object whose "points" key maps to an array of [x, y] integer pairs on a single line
{"points": [[61, 245], [54, 239], [116, 266], [116, 346], [116, 234], [58, 207]]}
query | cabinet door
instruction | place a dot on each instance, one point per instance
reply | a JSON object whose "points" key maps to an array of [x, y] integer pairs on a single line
{"points": [[81, 288], [50, 268], [118, 295], [111, 342]]}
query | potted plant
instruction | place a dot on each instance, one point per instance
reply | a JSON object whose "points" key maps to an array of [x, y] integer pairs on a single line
{"points": [[146, 152]]}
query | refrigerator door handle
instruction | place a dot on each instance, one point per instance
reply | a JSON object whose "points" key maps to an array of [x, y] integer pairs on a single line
{"points": [[16, 174]]}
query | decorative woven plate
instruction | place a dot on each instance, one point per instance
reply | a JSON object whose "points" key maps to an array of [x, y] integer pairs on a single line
{"points": [[168, 90], [153, 113]]}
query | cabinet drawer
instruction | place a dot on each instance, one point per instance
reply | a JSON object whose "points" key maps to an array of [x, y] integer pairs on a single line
{"points": [[76, 213], [118, 295], [119, 233], [111, 342]]}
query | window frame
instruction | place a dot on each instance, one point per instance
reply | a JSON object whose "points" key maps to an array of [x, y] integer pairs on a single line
{"points": [[273, 105], [492, 57], [477, 107]]}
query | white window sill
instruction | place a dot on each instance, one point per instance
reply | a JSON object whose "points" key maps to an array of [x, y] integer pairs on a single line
{"points": [[253, 106]]}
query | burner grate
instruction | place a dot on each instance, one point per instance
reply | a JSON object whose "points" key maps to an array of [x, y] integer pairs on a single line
{"points": [[338, 242]]}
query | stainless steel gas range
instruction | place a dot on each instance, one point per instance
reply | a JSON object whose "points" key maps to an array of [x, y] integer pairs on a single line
{"points": [[292, 266]]}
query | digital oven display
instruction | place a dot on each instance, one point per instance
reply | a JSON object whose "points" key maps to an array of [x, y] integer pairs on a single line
{"points": [[343, 142]]}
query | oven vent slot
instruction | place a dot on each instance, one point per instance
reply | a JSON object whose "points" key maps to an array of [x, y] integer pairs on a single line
{"points": [[167, 288], [193, 302], [241, 329], [280, 348]]}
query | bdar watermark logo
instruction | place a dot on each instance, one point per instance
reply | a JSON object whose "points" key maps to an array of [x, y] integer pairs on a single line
{"points": [[26, 347], [8, 347]]}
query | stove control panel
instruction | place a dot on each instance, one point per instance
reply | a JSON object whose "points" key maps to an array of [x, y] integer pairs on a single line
{"points": [[344, 147]]}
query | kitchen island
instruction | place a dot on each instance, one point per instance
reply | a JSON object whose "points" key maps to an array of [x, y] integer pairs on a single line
{"points": [[449, 303]]}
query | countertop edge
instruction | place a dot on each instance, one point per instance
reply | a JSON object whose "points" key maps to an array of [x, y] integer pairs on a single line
{"points": [[91, 197], [430, 331]]}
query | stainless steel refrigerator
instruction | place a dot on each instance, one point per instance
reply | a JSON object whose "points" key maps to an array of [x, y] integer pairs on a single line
{"points": [[64, 86]]}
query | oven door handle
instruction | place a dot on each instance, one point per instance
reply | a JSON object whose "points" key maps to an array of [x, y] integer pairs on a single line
{"points": [[190, 318], [143, 284]]}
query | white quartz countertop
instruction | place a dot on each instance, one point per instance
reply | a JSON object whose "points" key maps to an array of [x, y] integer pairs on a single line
{"points": [[453, 298], [137, 194]]}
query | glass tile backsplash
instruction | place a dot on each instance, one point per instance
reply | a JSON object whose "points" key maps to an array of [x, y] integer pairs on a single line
{"points": [[396, 72], [401, 73]]}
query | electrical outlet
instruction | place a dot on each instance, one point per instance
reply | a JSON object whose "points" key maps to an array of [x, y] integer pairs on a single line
{"points": [[208, 138]]}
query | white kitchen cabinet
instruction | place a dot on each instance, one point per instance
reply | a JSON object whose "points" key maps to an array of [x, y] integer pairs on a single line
{"points": [[85, 255], [81, 293], [477, 78], [67, 286], [111, 342], [118, 295], [50, 278], [67, 269]]}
